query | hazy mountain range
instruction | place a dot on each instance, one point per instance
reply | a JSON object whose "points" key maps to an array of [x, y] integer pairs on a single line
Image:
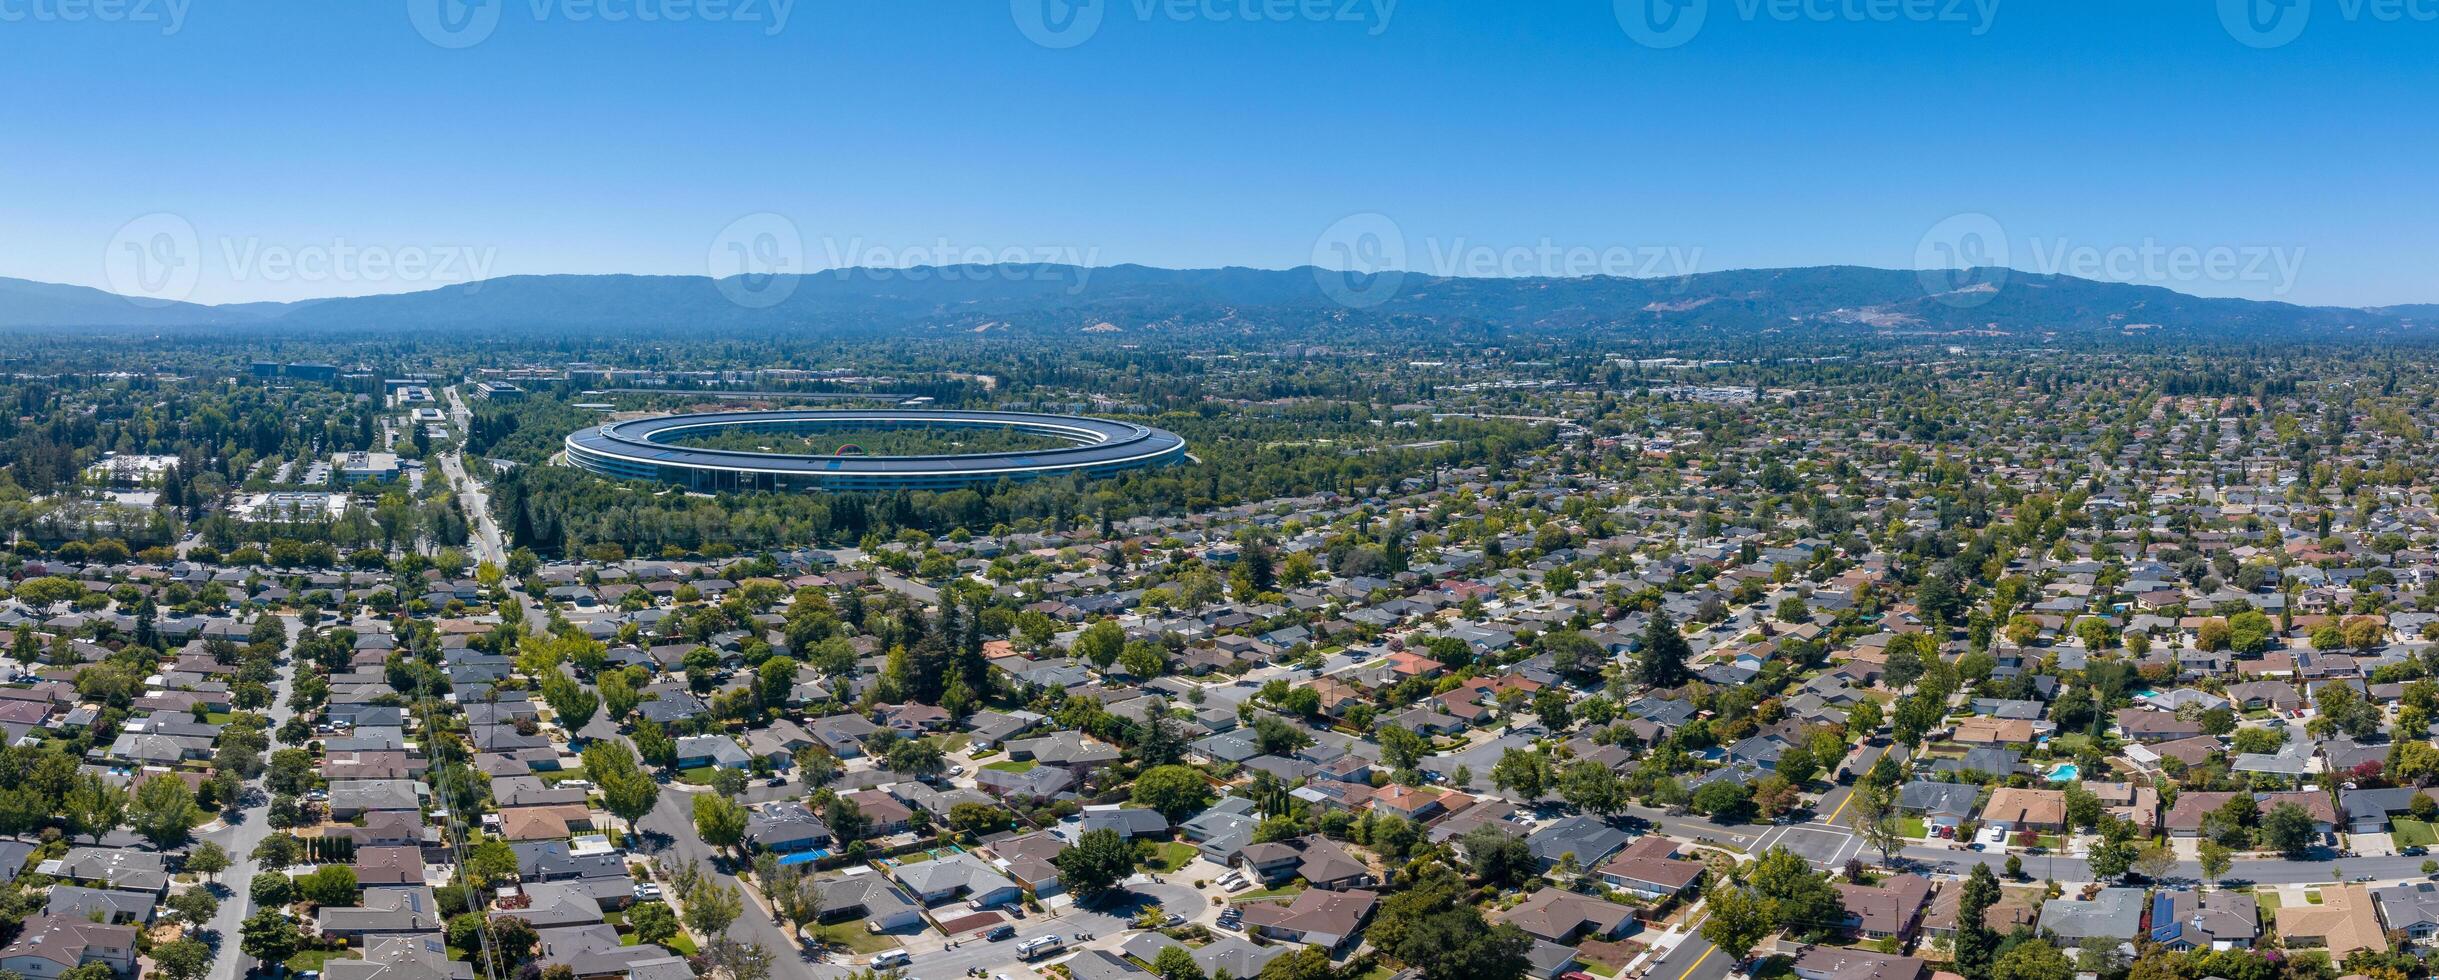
{"points": [[1137, 299]]}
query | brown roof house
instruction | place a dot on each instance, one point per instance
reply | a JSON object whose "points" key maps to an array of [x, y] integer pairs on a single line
{"points": [[1985, 730], [1649, 867], [2343, 922], [2185, 818], [2026, 809], [1317, 917], [52, 945], [1892, 908], [389, 866], [2003, 917], [1563, 917], [1318, 860]]}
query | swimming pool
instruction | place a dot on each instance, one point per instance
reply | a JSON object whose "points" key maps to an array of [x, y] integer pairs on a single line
{"points": [[2065, 773]]}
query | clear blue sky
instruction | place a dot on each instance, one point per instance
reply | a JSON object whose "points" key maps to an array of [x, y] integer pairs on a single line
{"points": [[563, 144]]}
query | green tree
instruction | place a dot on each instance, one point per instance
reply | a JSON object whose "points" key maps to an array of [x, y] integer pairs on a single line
{"points": [[1804, 901], [2287, 829], [1875, 819], [571, 701], [1723, 800], [94, 808], [1176, 791], [1095, 864], [1523, 772], [1304, 963], [329, 885], [618, 695], [2110, 860], [1592, 787], [163, 811], [653, 922], [194, 906], [1436, 928], [490, 861], [1400, 748], [1499, 859], [269, 935], [626, 789], [1975, 944], [1661, 662], [208, 859], [719, 820], [272, 889], [2216, 860], [2032, 959], [711, 907], [1174, 963], [184, 959], [1100, 643], [918, 757], [1738, 920]]}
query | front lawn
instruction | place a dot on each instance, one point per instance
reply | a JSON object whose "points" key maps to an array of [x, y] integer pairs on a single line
{"points": [[2409, 832], [1260, 894], [681, 943], [312, 959], [1169, 856], [853, 935], [697, 776], [1011, 765], [1912, 827], [553, 777]]}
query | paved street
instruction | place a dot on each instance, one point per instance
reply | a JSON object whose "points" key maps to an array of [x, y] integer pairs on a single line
{"points": [[1693, 959], [241, 835]]}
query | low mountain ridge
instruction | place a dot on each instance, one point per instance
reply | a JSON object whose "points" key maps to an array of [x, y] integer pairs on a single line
{"points": [[1134, 299]]}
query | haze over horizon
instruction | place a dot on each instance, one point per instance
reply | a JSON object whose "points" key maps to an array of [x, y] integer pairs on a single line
{"points": [[396, 148]]}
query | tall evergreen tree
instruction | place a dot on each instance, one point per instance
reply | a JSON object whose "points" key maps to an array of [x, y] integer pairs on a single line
{"points": [[1976, 945], [1664, 652]]}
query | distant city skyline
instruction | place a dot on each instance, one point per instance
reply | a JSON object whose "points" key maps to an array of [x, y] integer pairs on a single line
{"points": [[240, 153]]}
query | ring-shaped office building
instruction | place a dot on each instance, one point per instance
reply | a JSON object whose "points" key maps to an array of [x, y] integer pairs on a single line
{"points": [[643, 449]]}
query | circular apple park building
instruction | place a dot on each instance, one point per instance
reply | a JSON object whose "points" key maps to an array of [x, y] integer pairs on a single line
{"points": [[1068, 445]]}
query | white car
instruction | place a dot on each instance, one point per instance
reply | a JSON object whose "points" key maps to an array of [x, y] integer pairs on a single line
{"points": [[893, 958]]}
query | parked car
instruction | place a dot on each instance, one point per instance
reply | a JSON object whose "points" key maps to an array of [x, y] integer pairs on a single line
{"points": [[999, 932], [890, 959]]}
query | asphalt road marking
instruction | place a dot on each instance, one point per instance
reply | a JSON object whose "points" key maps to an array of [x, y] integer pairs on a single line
{"points": [[1690, 968]]}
